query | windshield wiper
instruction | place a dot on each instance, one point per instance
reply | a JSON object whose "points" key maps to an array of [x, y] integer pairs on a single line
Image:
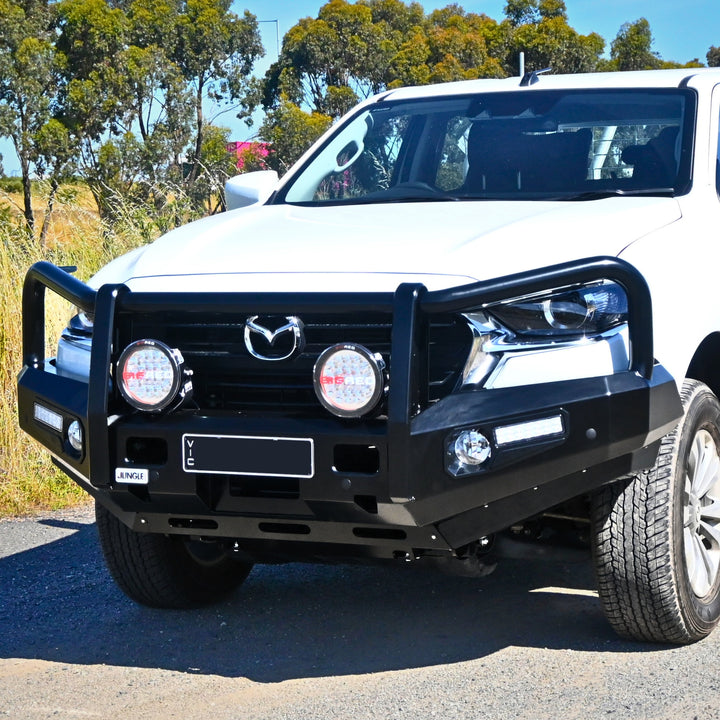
{"points": [[418, 198], [377, 200], [617, 192], [385, 198]]}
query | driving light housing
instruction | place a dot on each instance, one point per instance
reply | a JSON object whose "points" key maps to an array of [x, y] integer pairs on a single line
{"points": [[349, 380], [75, 436], [472, 447], [466, 451], [151, 375]]}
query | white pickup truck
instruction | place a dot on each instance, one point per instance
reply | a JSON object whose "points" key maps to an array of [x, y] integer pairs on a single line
{"points": [[469, 308]]}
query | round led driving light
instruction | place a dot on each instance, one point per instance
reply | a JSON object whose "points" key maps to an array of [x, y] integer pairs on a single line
{"points": [[349, 380], [149, 374], [472, 447]]}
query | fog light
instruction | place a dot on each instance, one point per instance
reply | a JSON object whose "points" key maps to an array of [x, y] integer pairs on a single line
{"points": [[472, 448], [150, 375], [75, 435], [349, 380]]}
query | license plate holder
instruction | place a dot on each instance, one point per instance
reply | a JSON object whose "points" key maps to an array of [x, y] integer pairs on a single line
{"points": [[248, 455]]}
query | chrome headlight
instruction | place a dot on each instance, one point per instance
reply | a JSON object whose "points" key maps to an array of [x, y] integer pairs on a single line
{"points": [[82, 322], [576, 312], [74, 344]]}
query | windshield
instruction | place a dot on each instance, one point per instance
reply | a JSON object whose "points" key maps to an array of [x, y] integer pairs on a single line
{"points": [[530, 144]]}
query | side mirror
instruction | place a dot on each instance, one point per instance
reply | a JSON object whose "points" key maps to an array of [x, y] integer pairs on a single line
{"points": [[250, 188]]}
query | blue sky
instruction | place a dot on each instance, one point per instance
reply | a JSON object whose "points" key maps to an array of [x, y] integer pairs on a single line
{"points": [[682, 31]]}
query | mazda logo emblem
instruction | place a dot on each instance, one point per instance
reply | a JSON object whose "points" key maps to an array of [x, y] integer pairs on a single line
{"points": [[276, 338]]}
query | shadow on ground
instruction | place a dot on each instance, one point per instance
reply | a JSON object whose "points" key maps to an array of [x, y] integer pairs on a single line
{"points": [[58, 603]]}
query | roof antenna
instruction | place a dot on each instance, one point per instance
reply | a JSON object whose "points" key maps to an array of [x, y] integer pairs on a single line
{"points": [[530, 78]]}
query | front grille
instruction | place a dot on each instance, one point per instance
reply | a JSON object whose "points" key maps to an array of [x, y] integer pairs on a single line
{"points": [[227, 377]]}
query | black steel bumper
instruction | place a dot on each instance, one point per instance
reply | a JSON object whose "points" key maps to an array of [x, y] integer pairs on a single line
{"points": [[405, 501]]}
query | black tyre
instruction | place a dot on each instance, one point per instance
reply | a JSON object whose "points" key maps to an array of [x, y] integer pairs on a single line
{"points": [[166, 571], [656, 535]]}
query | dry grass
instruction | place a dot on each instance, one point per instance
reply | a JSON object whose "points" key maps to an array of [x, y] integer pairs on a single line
{"points": [[28, 480]]}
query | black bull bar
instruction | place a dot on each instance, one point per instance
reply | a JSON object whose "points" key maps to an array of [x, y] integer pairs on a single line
{"points": [[409, 305]]}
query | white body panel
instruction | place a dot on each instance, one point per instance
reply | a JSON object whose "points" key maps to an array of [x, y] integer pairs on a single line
{"points": [[331, 248], [375, 248]]}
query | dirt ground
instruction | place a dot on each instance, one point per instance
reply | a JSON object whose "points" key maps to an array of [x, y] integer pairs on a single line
{"points": [[305, 642]]}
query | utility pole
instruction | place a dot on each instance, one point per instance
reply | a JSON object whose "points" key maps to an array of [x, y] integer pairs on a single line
{"points": [[277, 34]]}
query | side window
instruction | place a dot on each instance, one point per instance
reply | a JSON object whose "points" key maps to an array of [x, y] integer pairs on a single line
{"points": [[365, 166]]}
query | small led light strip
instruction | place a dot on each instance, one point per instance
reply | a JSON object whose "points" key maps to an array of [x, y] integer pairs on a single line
{"points": [[48, 417], [533, 430]]}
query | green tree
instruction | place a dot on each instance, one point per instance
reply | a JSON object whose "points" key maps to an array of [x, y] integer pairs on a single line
{"points": [[713, 56], [140, 76], [290, 131], [410, 65], [216, 165], [352, 50], [396, 16], [553, 43], [339, 49], [92, 37], [632, 47], [55, 155], [552, 9], [542, 32], [522, 12], [215, 52], [29, 80], [458, 43]]}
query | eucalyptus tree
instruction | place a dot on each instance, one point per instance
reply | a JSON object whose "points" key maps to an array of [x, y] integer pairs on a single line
{"points": [[215, 53], [140, 76], [29, 80], [632, 47], [92, 39], [290, 130], [542, 32], [354, 49]]}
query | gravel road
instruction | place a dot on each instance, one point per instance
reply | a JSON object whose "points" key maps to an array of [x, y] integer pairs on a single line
{"points": [[318, 642]]}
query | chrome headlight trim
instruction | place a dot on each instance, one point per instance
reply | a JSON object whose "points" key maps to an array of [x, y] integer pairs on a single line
{"points": [[532, 364], [480, 362]]}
